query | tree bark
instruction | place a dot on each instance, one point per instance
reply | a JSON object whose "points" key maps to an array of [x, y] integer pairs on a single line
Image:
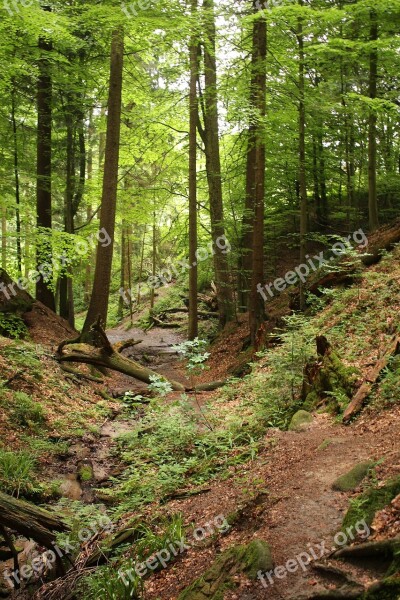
{"points": [[256, 304], [210, 137], [102, 277], [372, 120], [44, 152], [16, 178], [302, 156], [193, 120]]}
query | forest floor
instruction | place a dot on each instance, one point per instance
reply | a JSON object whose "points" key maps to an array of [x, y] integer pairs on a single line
{"points": [[283, 494]]}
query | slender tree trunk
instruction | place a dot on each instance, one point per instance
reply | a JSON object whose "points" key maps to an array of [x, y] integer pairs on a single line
{"points": [[16, 178], [213, 165], [154, 258], [43, 193], [302, 156], [122, 272], [256, 305], [193, 120], [65, 282], [102, 277], [141, 267], [4, 238], [88, 267], [246, 241], [372, 130]]}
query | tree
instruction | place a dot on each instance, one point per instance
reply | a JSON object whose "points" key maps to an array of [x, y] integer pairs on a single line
{"points": [[44, 292], [210, 137], [193, 120], [98, 306], [372, 119], [256, 307]]}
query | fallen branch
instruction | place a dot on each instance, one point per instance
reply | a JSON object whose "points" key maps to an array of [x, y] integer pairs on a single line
{"points": [[364, 391], [100, 353], [120, 346]]}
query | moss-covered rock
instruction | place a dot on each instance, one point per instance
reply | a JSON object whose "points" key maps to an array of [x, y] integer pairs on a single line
{"points": [[248, 559], [367, 504], [350, 480], [300, 420]]}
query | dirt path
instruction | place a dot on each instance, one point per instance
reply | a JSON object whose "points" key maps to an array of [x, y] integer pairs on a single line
{"points": [[285, 497]]}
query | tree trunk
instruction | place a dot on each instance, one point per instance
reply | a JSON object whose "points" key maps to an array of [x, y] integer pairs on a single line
{"points": [[32, 522], [66, 289], [193, 120], [302, 157], [256, 304], [16, 177], [213, 165], [102, 277], [4, 238], [373, 77], [43, 193]]}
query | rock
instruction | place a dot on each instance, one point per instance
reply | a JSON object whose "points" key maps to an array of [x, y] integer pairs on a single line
{"points": [[367, 504], [300, 420], [352, 479], [248, 559]]}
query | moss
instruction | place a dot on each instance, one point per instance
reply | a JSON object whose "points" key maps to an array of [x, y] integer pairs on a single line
{"points": [[367, 504], [217, 579], [350, 480], [388, 589], [324, 445], [299, 420]]}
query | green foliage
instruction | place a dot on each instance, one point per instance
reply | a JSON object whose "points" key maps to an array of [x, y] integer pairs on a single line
{"points": [[12, 326], [159, 385], [17, 472], [24, 355], [107, 584], [194, 353], [27, 412]]}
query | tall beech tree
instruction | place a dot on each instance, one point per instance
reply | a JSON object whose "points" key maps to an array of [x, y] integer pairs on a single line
{"points": [[210, 137], [256, 304], [44, 292], [193, 121], [372, 120], [98, 306]]}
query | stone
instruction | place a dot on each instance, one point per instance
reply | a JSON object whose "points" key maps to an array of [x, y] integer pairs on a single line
{"points": [[352, 479], [300, 420]]}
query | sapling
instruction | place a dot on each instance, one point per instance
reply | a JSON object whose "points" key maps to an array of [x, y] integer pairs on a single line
{"points": [[196, 356]]}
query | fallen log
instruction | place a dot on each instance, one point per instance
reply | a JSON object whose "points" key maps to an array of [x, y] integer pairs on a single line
{"points": [[123, 345], [386, 238], [165, 324], [104, 355], [364, 391], [32, 522]]}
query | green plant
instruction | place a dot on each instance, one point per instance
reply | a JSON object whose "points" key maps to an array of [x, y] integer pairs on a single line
{"points": [[12, 326], [108, 584], [159, 385], [26, 411], [17, 472]]}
